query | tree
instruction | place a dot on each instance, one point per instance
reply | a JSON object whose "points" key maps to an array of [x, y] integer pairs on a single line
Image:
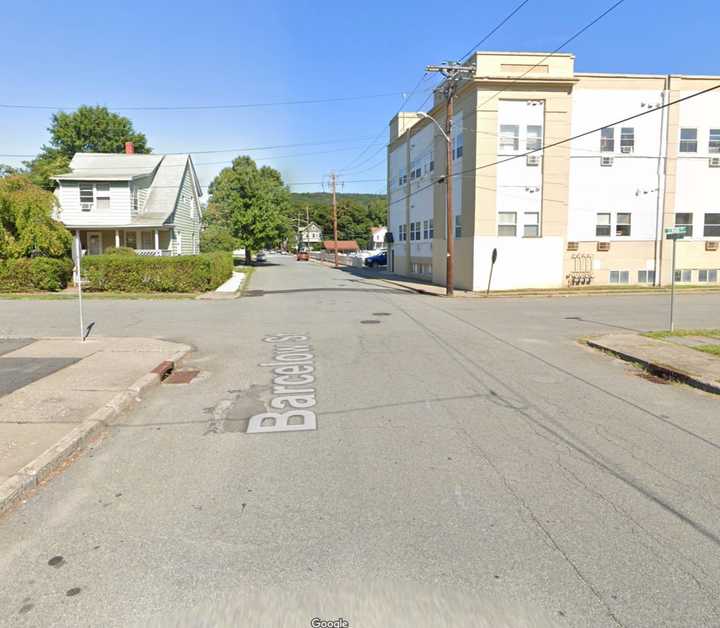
{"points": [[216, 238], [88, 130], [251, 204], [27, 227]]}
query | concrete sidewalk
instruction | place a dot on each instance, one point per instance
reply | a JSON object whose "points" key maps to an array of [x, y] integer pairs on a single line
{"points": [[669, 358], [62, 392]]}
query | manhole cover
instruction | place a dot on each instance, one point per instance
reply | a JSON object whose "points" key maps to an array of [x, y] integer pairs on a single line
{"points": [[369, 322], [381, 313], [181, 377]]}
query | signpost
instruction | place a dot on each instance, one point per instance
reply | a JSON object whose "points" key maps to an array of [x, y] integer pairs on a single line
{"points": [[674, 234], [493, 259], [78, 278]]}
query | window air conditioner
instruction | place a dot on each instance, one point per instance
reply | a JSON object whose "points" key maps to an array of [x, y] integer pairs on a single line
{"points": [[86, 207], [573, 246], [714, 162], [712, 245], [533, 160], [626, 149], [606, 160], [603, 246]]}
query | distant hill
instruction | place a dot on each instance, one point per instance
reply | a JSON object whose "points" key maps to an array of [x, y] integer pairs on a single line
{"points": [[325, 198]]}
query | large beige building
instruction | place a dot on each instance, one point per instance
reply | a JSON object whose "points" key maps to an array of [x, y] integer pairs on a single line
{"points": [[589, 211]]}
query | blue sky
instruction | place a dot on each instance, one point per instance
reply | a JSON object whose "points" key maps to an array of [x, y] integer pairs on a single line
{"points": [[175, 53]]}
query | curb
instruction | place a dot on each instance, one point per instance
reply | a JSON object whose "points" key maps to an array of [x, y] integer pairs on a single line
{"points": [[695, 381], [17, 486]]}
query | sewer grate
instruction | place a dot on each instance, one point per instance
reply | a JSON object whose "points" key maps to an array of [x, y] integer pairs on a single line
{"points": [[381, 313], [181, 377], [369, 322], [254, 293]]}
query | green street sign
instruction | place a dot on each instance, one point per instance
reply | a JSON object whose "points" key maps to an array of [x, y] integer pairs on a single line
{"points": [[675, 233]]}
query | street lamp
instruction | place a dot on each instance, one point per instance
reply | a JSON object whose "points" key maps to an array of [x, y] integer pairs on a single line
{"points": [[448, 202]]}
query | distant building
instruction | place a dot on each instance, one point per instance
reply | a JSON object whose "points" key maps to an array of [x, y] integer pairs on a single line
{"points": [[310, 233], [378, 237], [592, 210], [343, 246]]}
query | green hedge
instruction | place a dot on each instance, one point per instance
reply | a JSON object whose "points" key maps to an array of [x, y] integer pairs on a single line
{"points": [[185, 273], [39, 273]]}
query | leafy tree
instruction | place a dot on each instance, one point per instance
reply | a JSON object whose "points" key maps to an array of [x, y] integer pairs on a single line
{"points": [[251, 203], [27, 227], [216, 238], [89, 130]]}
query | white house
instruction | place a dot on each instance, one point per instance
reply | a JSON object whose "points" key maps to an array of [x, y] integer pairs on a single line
{"points": [[311, 233], [150, 203], [378, 237]]}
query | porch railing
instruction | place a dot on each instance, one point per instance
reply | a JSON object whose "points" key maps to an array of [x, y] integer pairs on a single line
{"points": [[153, 252]]}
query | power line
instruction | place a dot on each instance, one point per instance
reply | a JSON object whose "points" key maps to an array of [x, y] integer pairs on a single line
{"points": [[506, 19], [280, 103]]}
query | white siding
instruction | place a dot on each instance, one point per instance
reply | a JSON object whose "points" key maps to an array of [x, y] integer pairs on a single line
{"points": [[68, 195], [187, 218]]}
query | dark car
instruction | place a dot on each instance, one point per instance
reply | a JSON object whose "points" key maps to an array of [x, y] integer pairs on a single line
{"points": [[379, 259]]}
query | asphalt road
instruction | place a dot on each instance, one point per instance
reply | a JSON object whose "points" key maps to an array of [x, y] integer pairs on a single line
{"points": [[471, 461]]}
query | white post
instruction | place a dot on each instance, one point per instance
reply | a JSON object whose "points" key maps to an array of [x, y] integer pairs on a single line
{"points": [[79, 285], [117, 238], [157, 240]]}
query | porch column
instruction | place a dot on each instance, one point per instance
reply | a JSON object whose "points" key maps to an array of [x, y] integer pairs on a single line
{"points": [[117, 238], [157, 240]]}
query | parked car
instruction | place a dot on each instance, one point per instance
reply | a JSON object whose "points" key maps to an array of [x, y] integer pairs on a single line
{"points": [[260, 257], [303, 256], [376, 260]]}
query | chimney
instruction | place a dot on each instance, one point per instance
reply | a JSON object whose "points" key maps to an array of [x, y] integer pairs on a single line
{"points": [[129, 148]]}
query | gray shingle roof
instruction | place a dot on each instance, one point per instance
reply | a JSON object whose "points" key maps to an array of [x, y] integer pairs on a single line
{"points": [[110, 166]]}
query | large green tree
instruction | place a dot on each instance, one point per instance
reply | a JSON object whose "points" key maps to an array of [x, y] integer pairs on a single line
{"points": [[27, 226], [251, 204], [88, 130]]}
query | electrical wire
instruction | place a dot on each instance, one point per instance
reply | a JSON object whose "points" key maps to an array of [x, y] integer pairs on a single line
{"points": [[506, 19]]}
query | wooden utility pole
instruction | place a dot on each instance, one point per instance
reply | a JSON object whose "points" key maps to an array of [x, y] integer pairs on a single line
{"points": [[453, 73], [333, 182]]}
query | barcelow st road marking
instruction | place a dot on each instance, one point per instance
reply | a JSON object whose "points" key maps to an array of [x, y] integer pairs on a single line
{"points": [[292, 388]]}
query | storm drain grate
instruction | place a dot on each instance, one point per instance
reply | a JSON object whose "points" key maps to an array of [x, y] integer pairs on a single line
{"points": [[254, 293], [381, 313], [369, 322], [181, 377]]}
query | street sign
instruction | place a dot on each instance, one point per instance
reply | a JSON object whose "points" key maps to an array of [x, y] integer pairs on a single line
{"points": [[675, 233]]}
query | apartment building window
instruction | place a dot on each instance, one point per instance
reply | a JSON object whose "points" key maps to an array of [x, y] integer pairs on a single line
{"points": [[688, 140], [401, 233], [87, 196], [402, 178], [431, 229], [458, 226], [685, 220], [619, 276], [622, 224], [627, 139], [458, 144], [509, 137], [507, 223], [714, 141], [531, 226], [602, 225], [708, 276], [534, 137], [683, 276], [413, 170], [426, 232], [646, 276], [607, 140], [415, 226], [102, 195], [712, 226]]}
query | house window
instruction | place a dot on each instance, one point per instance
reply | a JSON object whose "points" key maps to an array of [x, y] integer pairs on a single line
{"points": [[688, 140], [531, 227], [607, 140], [619, 276], [148, 239], [646, 276], [458, 226], [683, 276], [131, 239], [458, 146], [622, 225], [602, 225], [685, 220], [102, 195], [708, 276], [426, 232], [534, 137], [87, 198], [507, 223], [627, 139], [431, 229], [714, 142], [509, 138], [712, 226]]}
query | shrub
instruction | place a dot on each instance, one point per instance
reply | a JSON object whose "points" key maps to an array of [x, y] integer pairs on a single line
{"points": [[185, 273], [119, 250], [39, 273], [216, 238]]}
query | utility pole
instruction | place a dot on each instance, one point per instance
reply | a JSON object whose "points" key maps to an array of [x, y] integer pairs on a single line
{"points": [[333, 181], [453, 73]]}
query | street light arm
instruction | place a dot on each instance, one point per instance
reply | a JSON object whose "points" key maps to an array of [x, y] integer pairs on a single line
{"points": [[437, 124]]}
